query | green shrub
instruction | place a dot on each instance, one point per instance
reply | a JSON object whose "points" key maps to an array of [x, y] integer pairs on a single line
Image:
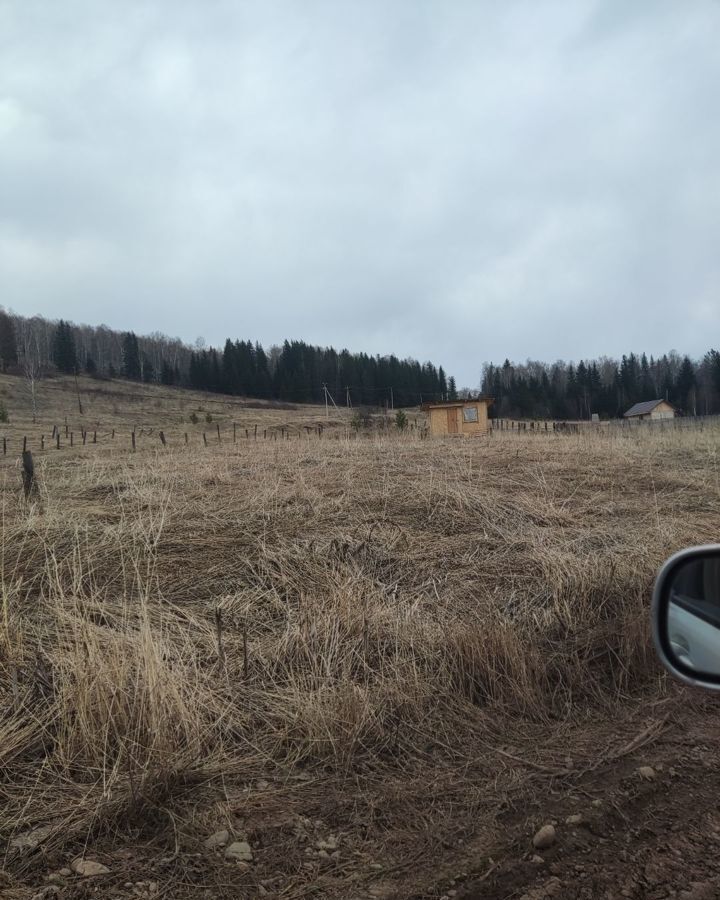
{"points": [[401, 420], [4, 416], [194, 418], [208, 418]]}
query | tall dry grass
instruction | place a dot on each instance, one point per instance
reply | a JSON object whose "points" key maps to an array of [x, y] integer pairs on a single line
{"points": [[342, 606]]}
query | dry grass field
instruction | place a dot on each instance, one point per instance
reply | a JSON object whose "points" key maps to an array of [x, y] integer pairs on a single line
{"points": [[381, 662]]}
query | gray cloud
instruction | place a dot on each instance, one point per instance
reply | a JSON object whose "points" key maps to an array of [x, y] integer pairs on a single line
{"points": [[459, 182]]}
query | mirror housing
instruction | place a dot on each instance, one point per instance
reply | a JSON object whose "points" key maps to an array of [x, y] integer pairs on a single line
{"points": [[686, 616]]}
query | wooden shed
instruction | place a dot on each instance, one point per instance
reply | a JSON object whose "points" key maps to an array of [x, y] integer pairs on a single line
{"points": [[651, 409], [463, 417]]}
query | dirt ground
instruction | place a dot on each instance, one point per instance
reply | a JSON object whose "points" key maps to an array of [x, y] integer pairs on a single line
{"points": [[641, 834], [635, 834]]}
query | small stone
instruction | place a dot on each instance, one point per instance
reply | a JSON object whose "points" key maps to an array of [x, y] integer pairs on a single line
{"points": [[647, 773], [377, 866], [50, 890], [574, 820], [47, 893], [323, 854], [597, 803], [239, 851], [65, 872], [537, 860], [29, 840], [330, 844], [88, 868], [219, 839], [262, 785], [544, 838]]}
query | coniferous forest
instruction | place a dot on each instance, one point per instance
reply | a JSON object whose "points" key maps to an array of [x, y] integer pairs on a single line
{"points": [[298, 372], [293, 372], [604, 386]]}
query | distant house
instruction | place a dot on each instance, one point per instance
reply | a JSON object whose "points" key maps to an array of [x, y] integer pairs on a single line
{"points": [[651, 409], [464, 417]]}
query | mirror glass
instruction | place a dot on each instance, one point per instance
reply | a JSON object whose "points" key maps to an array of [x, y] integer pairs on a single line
{"points": [[693, 614]]}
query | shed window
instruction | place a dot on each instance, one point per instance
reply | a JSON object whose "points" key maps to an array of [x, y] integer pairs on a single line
{"points": [[470, 414]]}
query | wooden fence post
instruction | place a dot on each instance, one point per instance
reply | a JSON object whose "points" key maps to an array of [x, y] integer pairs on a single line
{"points": [[162, 437], [205, 438], [71, 438], [84, 436], [57, 439], [234, 433], [24, 443], [218, 431], [265, 433], [246, 434], [42, 441], [186, 438], [132, 435], [28, 473], [113, 434], [94, 437], [256, 432]]}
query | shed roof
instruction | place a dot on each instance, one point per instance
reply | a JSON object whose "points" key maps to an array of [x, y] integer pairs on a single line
{"points": [[449, 404], [647, 406]]}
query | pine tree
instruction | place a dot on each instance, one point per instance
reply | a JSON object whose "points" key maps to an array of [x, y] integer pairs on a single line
{"points": [[131, 356], [63, 348], [8, 342], [167, 373], [686, 383], [148, 371], [452, 389]]}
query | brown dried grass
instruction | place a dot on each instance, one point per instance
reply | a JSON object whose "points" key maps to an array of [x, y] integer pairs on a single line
{"points": [[407, 605]]}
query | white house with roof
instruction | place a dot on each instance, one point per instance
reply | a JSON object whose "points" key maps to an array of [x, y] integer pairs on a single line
{"points": [[651, 409]]}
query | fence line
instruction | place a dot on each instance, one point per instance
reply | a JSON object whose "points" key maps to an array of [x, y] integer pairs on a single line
{"points": [[160, 438], [575, 426]]}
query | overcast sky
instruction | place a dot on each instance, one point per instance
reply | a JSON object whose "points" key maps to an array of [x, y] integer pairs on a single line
{"points": [[455, 181]]}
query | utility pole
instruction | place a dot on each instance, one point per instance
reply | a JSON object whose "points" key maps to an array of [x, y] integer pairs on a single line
{"points": [[392, 402], [347, 397], [330, 396]]}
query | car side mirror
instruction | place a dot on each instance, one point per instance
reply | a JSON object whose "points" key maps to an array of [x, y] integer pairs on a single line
{"points": [[686, 615]]}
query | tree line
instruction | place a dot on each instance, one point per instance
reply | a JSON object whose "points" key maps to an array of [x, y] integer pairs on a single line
{"points": [[294, 371], [605, 386]]}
